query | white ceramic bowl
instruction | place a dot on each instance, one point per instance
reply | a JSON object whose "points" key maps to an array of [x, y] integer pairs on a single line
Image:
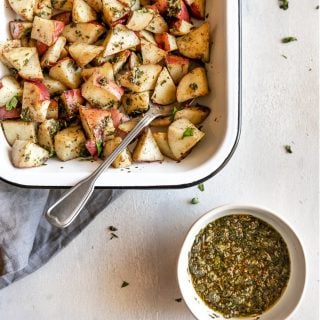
{"points": [[292, 294]]}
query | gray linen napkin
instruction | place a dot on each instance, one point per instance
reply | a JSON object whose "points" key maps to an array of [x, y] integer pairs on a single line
{"points": [[27, 240]]}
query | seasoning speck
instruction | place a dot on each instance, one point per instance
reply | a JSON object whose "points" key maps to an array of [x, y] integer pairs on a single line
{"points": [[195, 201], [178, 299], [288, 39], [201, 187], [124, 284], [283, 4], [112, 228], [288, 148]]}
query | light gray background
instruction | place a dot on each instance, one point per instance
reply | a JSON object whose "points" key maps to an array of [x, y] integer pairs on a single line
{"points": [[280, 106]]}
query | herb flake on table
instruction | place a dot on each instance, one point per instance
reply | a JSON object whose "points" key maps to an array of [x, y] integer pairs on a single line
{"points": [[288, 148], [284, 56], [112, 228], [284, 4], [195, 200], [113, 235], [201, 187], [178, 300], [124, 284], [317, 7], [288, 39]]}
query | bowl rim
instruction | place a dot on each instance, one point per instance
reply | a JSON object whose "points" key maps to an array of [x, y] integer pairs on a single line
{"points": [[223, 210]]}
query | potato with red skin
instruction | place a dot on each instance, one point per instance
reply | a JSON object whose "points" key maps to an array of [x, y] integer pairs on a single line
{"points": [[178, 9], [166, 41], [41, 48], [198, 9], [180, 27], [35, 101], [19, 29], [64, 17], [162, 6], [71, 100], [46, 31], [177, 67]]}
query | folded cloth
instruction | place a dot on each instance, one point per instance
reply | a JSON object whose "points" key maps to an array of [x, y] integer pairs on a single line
{"points": [[27, 240]]}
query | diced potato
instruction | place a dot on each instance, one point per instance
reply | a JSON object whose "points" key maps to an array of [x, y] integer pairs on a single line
{"points": [[83, 32], [54, 86], [165, 90], [129, 3], [133, 61], [196, 43], [6, 47], [69, 143], [147, 149], [119, 60], [32, 70], [127, 126], [193, 84], [9, 88], [43, 9], [136, 103], [19, 130], [198, 9], [123, 159], [177, 67], [147, 35], [65, 5], [140, 19], [67, 73], [82, 12], [46, 133], [19, 57], [163, 144], [166, 41], [157, 24], [52, 55], [101, 92], [84, 53], [195, 114], [106, 70], [151, 54], [161, 122], [177, 9], [181, 27], [141, 78], [97, 124], [182, 137], [95, 4], [118, 39], [53, 110], [46, 31], [35, 102], [26, 154], [23, 8], [71, 100], [113, 10], [19, 29]]}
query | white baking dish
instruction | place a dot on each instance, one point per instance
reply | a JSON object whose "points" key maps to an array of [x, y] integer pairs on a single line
{"points": [[222, 128]]}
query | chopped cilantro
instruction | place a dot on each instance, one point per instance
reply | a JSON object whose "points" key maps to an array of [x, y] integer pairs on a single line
{"points": [[124, 284], [194, 200], [288, 148], [283, 4], [99, 147], [12, 103], [201, 187], [288, 39], [188, 132]]}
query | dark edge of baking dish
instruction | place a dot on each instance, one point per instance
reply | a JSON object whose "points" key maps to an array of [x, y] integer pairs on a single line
{"points": [[190, 184]]}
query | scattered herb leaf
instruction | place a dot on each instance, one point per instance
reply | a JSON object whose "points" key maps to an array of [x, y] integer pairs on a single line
{"points": [[288, 148], [195, 201], [201, 187], [173, 113], [12, 103], [112, 228], [113, 235], [124, 284], [288, 39], [317, 7], [283, 4], [188, 132], [284, 56], [99, 147], [178, 299]]}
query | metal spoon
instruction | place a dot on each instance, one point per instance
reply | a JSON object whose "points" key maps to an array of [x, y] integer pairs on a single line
{"points": [[67, 208]]}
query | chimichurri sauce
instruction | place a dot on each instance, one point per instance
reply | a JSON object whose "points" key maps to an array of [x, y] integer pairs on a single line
{"points": [[239, 265]]}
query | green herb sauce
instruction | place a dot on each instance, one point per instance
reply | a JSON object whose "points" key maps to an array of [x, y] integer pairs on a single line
{"points": [[239, 265]]}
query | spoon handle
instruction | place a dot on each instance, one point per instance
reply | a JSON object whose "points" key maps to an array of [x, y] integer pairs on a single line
{"points": [[67, 208]]}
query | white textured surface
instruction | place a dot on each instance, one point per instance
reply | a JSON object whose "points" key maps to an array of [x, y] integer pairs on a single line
{"points": [[280, 106]]}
